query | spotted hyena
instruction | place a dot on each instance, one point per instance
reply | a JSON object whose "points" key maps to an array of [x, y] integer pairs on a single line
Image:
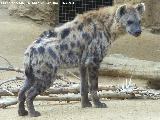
{"points": [[82, 43]]}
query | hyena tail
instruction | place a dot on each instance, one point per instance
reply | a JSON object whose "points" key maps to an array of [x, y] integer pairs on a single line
{"points": [[27, 66], [29, 72]]}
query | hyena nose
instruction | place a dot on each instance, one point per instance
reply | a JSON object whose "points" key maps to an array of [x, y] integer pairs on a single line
{"points": [[138, 32]]}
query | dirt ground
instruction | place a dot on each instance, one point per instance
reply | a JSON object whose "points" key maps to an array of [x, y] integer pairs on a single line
{"points": [[16, 34]]}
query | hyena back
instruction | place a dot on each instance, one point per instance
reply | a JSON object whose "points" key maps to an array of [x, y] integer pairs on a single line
{"points": [[81, 43]]}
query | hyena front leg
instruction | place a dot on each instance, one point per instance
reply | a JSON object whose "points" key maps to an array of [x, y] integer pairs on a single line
{"points": [[93, 85], [84, 87]]}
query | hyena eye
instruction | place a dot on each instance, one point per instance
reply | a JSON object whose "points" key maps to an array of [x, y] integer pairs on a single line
{"points": [[129, 22]]}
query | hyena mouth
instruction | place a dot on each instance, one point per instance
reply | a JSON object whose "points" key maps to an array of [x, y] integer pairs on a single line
{"points": [[134, 34]]}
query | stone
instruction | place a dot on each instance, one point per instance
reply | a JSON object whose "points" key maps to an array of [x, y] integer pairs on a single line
{"points": [[40, 12]]}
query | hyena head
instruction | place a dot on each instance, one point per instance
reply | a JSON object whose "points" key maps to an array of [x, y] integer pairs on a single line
{"points": [[129, 17]]}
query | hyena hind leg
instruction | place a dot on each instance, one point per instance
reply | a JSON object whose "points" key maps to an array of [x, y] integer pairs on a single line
{"points": [[31, 94], [22, 98]]}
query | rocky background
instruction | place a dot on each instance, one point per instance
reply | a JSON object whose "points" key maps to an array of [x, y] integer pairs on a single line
{"points": [[43, 13], [40, 13]]}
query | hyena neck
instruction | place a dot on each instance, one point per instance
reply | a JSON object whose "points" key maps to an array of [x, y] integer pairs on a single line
{"points": [[105, 18], [110, 25], [117, 30]]}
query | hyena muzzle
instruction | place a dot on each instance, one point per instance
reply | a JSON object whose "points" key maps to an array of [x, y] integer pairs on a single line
{"points": [[81, 43]]}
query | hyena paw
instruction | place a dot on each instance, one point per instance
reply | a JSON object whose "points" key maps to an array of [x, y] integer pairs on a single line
{"points": [[86, 104], [34, 114], [22, 112], [100, 105]]}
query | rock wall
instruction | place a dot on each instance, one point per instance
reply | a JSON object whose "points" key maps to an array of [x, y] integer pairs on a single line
{"points": [[50, 13], [47, 13], [152, 13], [3, 4], [155, 12]]}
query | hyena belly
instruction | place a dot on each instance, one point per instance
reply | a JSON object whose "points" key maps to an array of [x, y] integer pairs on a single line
{"points": [[69, 51], [69, 59]]}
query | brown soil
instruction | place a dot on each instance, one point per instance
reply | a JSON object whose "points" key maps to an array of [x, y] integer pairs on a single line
{"points": [[16, 34]]}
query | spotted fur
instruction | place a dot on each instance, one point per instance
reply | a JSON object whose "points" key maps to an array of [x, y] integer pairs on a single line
{"points": [[81, 43]]}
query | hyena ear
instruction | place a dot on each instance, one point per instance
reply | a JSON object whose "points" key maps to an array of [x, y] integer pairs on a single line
{"points": [[120, 11], [140, 8]]}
